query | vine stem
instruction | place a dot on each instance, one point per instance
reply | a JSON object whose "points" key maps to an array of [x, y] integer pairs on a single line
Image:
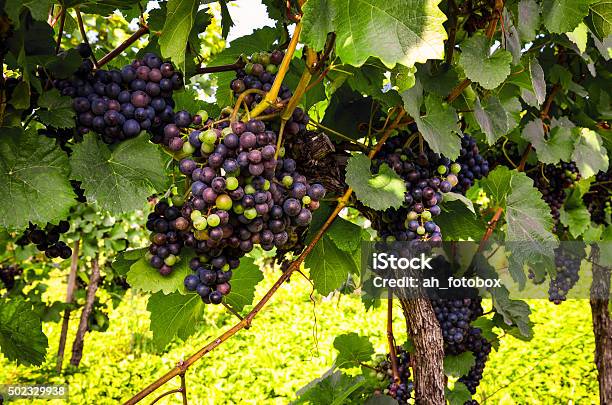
{"points": [[241, 98], [391, 339], [339, 135], [84, 34], [74, 265], [239, 64], [133, 38], [490, 31], [295, 265], [280, 76], [61, 31]]}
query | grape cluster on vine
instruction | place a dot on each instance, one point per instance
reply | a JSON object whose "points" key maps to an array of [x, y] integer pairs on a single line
{"points": [[399, 391], [567, 265], [473, 165], [118, 104], [48, 239], [598, 199], [8, 274], [241, 196]]}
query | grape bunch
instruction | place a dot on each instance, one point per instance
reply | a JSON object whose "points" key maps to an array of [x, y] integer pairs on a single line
{"points": [[552, 182], [259, 73], [8, 275], [427, 176], [240, 196], [473, 165], [455, 315], [118, 104], [567, 264], [47, 239], [400, 392], [598, 199], [481, 348]]}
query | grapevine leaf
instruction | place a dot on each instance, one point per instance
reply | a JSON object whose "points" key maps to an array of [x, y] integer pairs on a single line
{"points": [[226, 19], [142, 276], [21, 335], [34, 184], [403, 77], [380, 399], [38, 8], [362, 26], [459, 223], [562, 16], [579, 36], [260, 39], [600, 17], [461, 198], [124, 260], [352, 350], [180, 17], [459, 395], [486, 326], [20, 98], [492, 118], [60, 118], [537, 80], [346, 109], [439, 126], [329, 266], [511, 39], [119, 180], [244, 280], [557, 147], [458, 365], [514, 312], [332, 388], [577, 219], [529, 17], [481, 66], [589, 153], [378, 191], [345, 234], [173, 315]]}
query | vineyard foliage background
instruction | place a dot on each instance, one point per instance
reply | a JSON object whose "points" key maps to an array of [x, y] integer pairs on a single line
{"points": [[377, 86]]}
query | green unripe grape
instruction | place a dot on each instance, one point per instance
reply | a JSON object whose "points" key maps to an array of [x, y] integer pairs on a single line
{"points": [[250, 213], [442, 169], [188, 148], [223, 202], [148, 256], [255, 57], [225, 267], [248, 68], [207, 148], [249, 189], [426, 215], [231, 183], [200, 234], [306, 200], [238, 209], [287, 181], [203, 114], [200, 223], [177, 200], [412, 216], [272, 69], [209, 137], [204, 259], [390, 238], [380, 376], [266, 185], [170, 260], [455, 168], [264, 58], [195, 214], [452, 179], [420, 230], [213, 220], [403, 158], [226, 131], [281, 152]]}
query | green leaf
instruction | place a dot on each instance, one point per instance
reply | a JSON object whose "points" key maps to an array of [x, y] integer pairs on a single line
{"points": [[557, 147], [529, 19], [576, 219], [20, 98], [361, 28], [329, 266], [461, 198], [174, 315], [260, 39], [459, 395], [38, 8], [61, 118], [492, 118], [121, 180], [142, 276], [403, 77], [180, 17], [226, 19], [34, 184], [378, 191], [244, 280], [579, 36], [562, 16], [352, 350], [345, 234], [538, 83], [489, 70], [21, 335], [589, 153], [600, 17], [459, 223], [439, 126], [459, 365], [124, 260], [514, 312]]}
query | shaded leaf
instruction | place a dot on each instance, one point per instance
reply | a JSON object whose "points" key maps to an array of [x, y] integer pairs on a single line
{"points": [[21, 335], [244, 280], [378, 191], [480, 65]]}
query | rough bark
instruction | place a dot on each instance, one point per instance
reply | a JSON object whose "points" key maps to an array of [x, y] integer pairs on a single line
{"points": [[74, 265], [428, 359], [602, 327], [79, 339]]}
